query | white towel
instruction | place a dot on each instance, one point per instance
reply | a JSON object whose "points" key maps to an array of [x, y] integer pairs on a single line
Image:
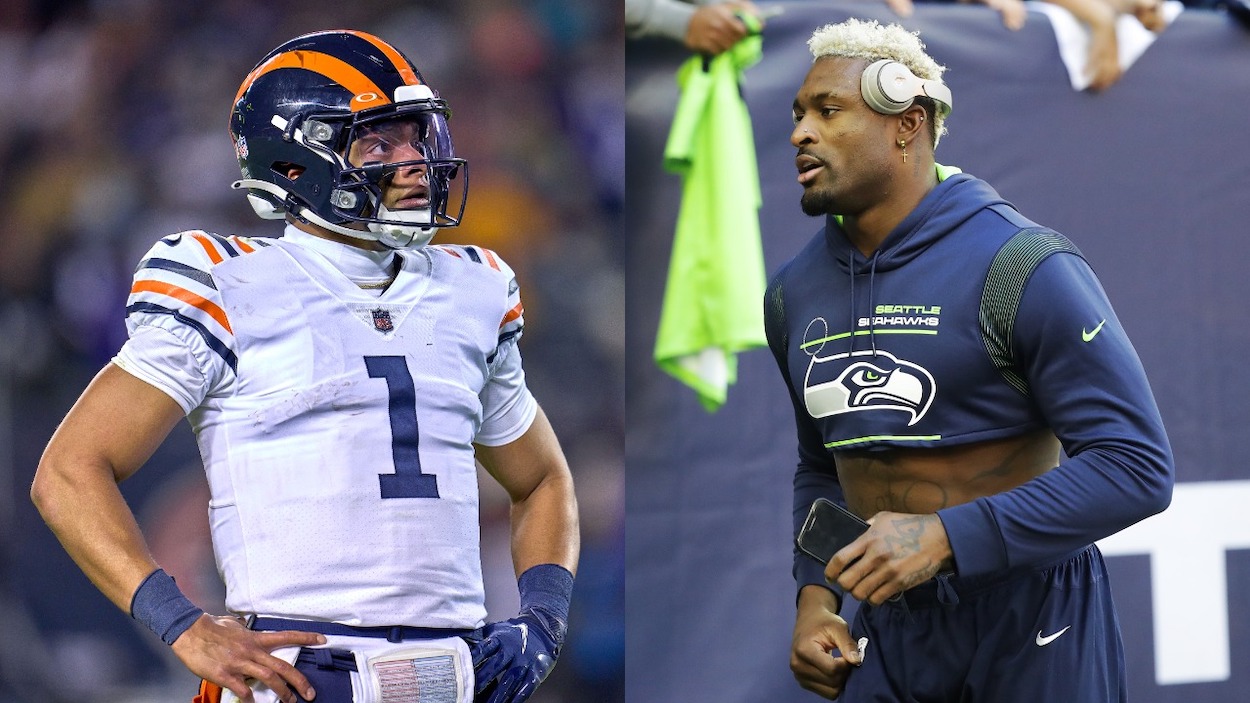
{"points": [[1132, 38]]}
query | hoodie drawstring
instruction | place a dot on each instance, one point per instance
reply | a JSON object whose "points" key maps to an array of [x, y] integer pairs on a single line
{"points": [[872, 318], [851, 262], [872, 324], [946, 593]]}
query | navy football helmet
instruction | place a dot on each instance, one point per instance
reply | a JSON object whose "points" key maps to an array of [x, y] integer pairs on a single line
{"points": [[301, 110]]}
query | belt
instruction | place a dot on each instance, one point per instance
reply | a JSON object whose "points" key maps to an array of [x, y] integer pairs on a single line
{"points": [[392, 633], [335, 659]]}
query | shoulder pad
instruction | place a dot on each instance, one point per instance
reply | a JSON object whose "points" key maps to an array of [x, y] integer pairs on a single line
{"points": [[476, 254], [202, 249], [174, 283], [513, 322]]}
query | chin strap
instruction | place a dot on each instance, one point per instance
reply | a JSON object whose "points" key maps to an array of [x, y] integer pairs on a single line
{"points": [[264, 208], [403, 236], [397, 236]]}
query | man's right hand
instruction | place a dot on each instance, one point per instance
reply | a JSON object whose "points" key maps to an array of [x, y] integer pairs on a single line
{"points": [[715, 28], [818, 630], [225, 652]]}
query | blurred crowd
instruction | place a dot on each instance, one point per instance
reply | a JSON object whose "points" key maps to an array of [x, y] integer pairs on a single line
{"points": [[710, 27], [114, 116]]}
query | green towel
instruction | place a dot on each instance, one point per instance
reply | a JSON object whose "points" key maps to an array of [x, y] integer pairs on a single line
{"points": [[713, 300]]}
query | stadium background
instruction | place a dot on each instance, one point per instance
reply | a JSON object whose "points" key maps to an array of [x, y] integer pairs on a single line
{"points": [[113, 118], [1151, 179]]}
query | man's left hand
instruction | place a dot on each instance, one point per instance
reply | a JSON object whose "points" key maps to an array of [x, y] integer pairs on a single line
{"points": [[512, 657], [897, 552]]}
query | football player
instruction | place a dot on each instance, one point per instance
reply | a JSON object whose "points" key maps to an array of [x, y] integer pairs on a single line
{"points": [[341, 381], [961, 382]]}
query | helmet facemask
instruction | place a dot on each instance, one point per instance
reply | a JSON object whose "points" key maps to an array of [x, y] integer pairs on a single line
{"points": [[406, 158], [369, 153]]}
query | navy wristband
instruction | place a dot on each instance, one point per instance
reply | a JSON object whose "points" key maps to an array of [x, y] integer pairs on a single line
{"points": [[160, 606], [548, 588]]}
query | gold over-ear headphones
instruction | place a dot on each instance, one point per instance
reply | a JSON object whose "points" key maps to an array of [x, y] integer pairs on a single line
{"points": [[889, 88]]}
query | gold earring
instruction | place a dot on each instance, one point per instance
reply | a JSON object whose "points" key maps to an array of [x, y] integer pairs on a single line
{"points": [[903, 143]]}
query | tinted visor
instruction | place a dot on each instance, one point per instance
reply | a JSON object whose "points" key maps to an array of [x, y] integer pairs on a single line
{"points": [[418, 135]]}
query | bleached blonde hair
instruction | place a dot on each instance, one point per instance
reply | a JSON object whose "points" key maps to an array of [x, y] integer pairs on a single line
{"points": [[870, 40]]}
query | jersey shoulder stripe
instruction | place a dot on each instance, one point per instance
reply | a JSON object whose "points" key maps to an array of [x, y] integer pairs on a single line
{"points": [[513, 320], [201, 277], [174, 282], [180, 294], [447, 249], [216, 247], [513, 315], [490, 258], [219, 347], [476, 254]]}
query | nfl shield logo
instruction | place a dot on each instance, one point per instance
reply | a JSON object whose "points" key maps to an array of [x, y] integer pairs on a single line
{"points": [[382, 320]]}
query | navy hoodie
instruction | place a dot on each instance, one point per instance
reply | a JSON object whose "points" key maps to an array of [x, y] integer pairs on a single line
{"points": [[908, 348]]}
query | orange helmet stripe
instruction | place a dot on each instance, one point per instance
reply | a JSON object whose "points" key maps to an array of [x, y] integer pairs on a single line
{"points": [[401, 64], [333, 68]]}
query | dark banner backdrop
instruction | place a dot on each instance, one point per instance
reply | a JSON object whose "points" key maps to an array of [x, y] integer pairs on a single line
{"points": [[1151, 179]]}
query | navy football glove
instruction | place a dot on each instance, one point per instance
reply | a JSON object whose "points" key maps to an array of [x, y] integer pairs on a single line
{"points": [[512, 657]]}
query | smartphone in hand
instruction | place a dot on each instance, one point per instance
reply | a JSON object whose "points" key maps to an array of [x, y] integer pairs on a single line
{"points": [[828, 528]]}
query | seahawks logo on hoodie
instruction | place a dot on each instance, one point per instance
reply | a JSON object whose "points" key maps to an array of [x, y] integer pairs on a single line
{"points": [[867, 380]]}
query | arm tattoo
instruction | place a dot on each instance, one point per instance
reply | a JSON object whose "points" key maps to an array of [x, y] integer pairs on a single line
{"points": [[906, 540], [930, 570]]}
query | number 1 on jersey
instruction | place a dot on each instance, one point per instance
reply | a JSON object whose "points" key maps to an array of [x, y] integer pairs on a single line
{"points": [[407, 481]]}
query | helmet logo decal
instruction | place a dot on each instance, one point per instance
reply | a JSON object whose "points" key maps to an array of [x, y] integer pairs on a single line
{"points": [[366, 97], [240, 148]]}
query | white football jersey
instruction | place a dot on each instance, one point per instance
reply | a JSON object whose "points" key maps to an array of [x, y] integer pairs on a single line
{"points": [[336, 426]]}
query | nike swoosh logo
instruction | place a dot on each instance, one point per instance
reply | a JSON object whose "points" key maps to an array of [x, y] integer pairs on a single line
{"points": [[1043, 641], [525, 635], [1086, 336]]}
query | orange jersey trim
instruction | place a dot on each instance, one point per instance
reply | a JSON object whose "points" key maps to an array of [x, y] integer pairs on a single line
{"points": [[513, 314], [490, 258], [211, 250], [243, 246], [185, 296]]}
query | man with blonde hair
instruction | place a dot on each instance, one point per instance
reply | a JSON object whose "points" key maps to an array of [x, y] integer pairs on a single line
{"points": [[940, 350]]}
